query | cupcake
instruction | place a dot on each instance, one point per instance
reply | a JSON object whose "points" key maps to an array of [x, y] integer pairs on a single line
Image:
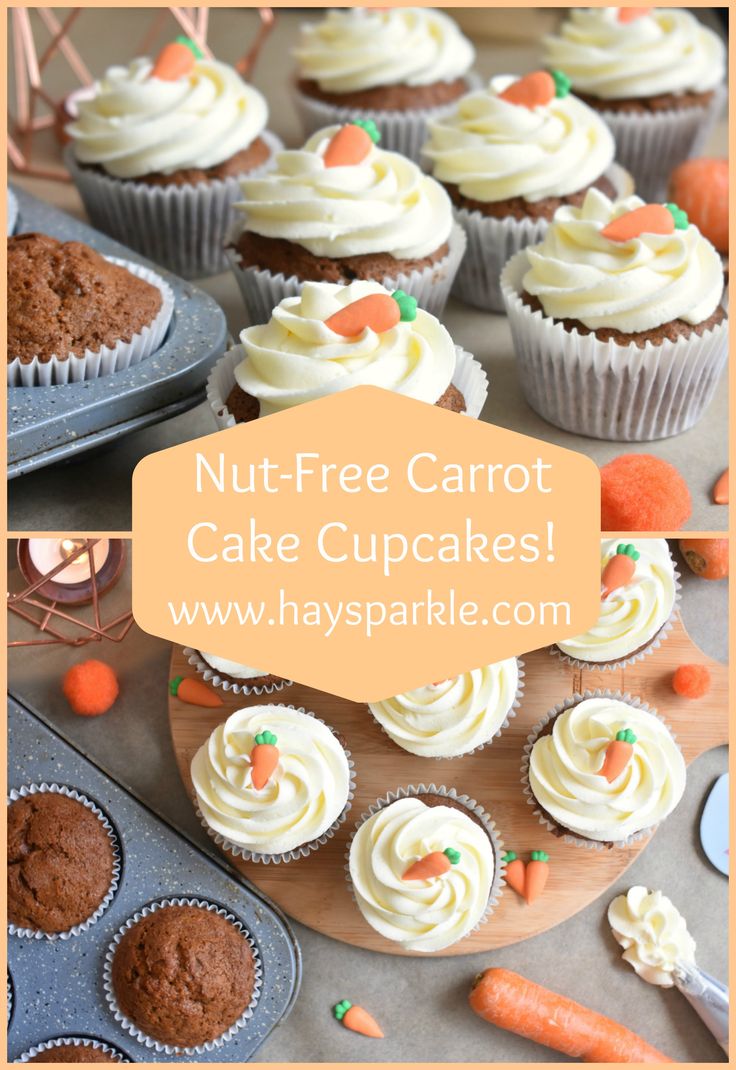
{"points": [[272, 782], [509, 156], [424, 868], [656, 75], [397, 66], [73, 1050], [638, 597], [63, 863], [617, 320], [604, 768], [329, 338], [182, 976], [157, 150], [341, 209], [232, 676], [74, 314], [455, 716]]}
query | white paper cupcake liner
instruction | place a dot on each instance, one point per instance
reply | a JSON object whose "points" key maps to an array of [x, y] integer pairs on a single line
{"points": [[58, 371], [131, 1027], [305, 849], [499, 881], [606, 390], [238, 688], [12, 207], [652, 144], [183, 228], [651, 646], [404, 131], [9, 1001], [492, 243], [510, 714], [554, 827], [262, 291], [61, 789], [470, 379], [78, 1042]]}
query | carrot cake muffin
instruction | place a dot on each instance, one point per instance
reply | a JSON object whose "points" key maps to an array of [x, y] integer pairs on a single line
{"points": [[60, 862], [233, 672], [84, 1051]]}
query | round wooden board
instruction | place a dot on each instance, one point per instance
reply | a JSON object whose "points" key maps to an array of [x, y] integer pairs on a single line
{"points": [[314, 890]]}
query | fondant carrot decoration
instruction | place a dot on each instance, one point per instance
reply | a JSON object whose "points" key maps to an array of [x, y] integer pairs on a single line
{"points": [[537, 871], [432, 865], [263, 759], [629, 14], [176, 59], [380, 312], [351, 144], [536, 89], [649, 219], [620, 569], [515, 872], [720, 491], [618, 754], [194, 692], [357, 1019]]}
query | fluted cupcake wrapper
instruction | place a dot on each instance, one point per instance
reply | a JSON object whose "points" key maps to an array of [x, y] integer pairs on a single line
{"points": [[305, 849], [510, 714], [238, 688], [469, 377], [78, 1042], [651, 646], [404, 131], [262, 291], [72, 793], [131, 1027], [10, 997], [492, 243], [606, 390], [554, 827], [12, 206], [652, 144], [412, 790], [108, 359], [183, 228]]}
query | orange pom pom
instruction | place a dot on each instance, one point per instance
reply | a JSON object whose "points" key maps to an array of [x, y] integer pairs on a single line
{"points": [[640, 492], [691, 681], [700, 188], [90, 688]]}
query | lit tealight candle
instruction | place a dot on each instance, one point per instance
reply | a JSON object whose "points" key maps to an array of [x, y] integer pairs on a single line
{"points": [[46, 554]]}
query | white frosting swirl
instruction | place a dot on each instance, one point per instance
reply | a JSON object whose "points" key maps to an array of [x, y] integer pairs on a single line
{"points": [[384, 204], [295, 357], [454, 716], [137, 125], [304, 797], [232, 668], [493, 150], [564, 771], [421, 915], [631, 286], [361, 48], [630, 616], [665, 51], [653, 934]]}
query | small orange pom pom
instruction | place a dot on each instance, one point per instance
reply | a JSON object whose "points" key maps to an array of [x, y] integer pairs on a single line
{"points": [[691, 681], [700, 187], [90, 688], [640, 492]]}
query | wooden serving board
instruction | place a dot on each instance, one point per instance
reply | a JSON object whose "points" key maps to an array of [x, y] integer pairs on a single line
{"points": [[314, 890]]}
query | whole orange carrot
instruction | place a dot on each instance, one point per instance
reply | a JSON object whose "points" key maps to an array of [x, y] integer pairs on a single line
{"points": [[263, 759], [194, 692], [356, 1018], [509, 1001]]}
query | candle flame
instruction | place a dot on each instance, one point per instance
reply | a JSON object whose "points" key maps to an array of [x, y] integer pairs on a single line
{"points": [[69, 546]]}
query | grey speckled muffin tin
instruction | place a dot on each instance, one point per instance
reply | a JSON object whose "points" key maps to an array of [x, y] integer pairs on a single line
{"points": [[53, 423], [58, 986]]}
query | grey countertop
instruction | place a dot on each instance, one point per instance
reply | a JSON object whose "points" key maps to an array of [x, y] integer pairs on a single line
{"points": [[421, 1004], [51, 500]]}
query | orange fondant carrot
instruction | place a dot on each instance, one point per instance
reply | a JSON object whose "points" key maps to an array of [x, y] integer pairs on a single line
{"points": [[431, 865], [511, 1002], [263, 759], [356, 1018], [176, 60], [531, 91], [537, 872], [620, 568], [618, 755], [720, 491], [629, 14], [515, 874], [378, 311], [649, 219], [195, 692], [351, 144]]}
